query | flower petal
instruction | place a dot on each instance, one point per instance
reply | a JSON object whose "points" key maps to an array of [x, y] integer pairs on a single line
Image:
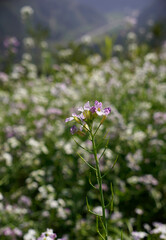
{"points": [[98, 104], [80, 109], [69, 119], [87, 106], [107, 110], [100, 113]]}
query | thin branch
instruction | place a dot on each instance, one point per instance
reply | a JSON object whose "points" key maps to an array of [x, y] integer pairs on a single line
{"points": [[97, 228], [97, 129], [112, 199], [104, 149], [115, 162], [90, 182], [82, 146], [102, 140], [85, 127], [86, 162], [89, 210], [102, 224], [111, 167], [108, 205]]}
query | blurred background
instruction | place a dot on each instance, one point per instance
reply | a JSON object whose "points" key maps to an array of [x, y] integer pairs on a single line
{"points": [[64, 21], [55, 55]]}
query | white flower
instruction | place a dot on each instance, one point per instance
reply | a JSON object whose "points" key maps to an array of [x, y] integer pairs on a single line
{"points": [[8, 157], [28, 42], [30, 235], [138, 235], [1, 196], [98, 210], [26, 12]]}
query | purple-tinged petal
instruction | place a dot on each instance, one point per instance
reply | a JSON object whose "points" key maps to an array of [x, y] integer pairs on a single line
{"points": [[100, 113], [93, 109], [98, 104], [107, 110], [87, 106], [53, 235], [81, 116], [69, 119], [54, 111], [80, 109], [73, 129], [75, 115]]}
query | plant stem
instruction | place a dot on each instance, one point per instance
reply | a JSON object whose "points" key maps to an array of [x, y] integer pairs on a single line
{"points": [[99, 180]]}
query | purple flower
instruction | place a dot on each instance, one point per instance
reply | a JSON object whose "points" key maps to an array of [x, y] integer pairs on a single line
{"points": [[87, 106], [25, 201], [17, 231], [73, 129], [48, 235], [8, 231], [107, 111], [11, 42], [54, 111], [88, 113], [93, 109], [139, 235], [3, 77], [69, 119], [98, 104]]}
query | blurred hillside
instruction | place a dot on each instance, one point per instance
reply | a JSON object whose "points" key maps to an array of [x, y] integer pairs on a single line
{"points": [[68, 20], [118, 5], [156, 12], [63, 19]]}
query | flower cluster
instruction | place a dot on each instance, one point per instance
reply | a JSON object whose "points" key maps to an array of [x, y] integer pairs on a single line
{"points": [[11, 44], [48, 235], [138, 235], [88, 114], [26, 12]]}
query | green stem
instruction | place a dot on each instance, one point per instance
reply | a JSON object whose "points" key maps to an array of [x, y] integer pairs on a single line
{"points": [[99, 179]]}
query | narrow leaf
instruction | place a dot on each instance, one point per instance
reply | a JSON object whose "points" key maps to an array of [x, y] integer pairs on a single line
{"points": [[121, 235]]}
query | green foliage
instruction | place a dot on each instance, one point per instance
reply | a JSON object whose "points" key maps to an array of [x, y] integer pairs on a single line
{"points": [[107, 47]]}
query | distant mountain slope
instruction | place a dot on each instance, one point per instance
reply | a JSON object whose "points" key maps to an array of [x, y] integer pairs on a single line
{"points": [[64, 18], [114, 5], [156, 11]]}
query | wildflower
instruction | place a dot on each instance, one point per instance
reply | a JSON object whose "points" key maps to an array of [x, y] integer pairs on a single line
{"points": [[26, 12], [98, 210], [48, 235], [160, 228], [30, 235], [3, 77], [11, 42], [73, 129], [139, 235], [54, 111], [88, 113], [28, 42], [139, 211], [24, 200]]}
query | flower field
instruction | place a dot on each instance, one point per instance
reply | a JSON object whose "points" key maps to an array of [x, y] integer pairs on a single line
{"points": [[43, 181]]}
